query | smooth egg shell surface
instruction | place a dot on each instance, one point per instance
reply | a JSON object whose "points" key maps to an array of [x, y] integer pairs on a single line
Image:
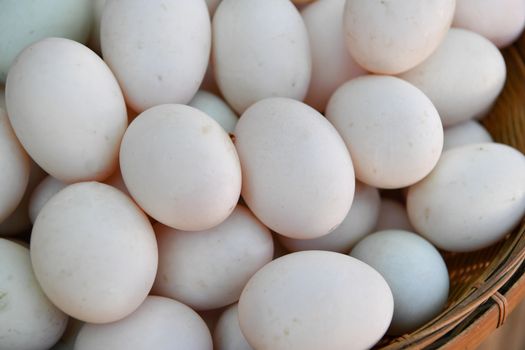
{"points": [[392, 36], [360, 221], [415, 272], [500, 21], [465, 133], [208, 269], [42, 193], [158, 49], [216, 108], [392, 130], [14, 167], [181, 167], [28, 319], [25, 22], [462, 78], [159, 323], [315, 300], [473, 197], [393, 215], [228, 334], [332, 65], [67, 109], [298, 177], [94, 252], [260, 50]]}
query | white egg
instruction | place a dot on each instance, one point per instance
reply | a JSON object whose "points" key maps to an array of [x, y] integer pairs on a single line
{"points": [[315, 300], [74, 124], [181, 167], [392, 130], [393, 215], [414, 271], [159, 323], [94, 252], [29, 321], [155, 69], [465, 133], [298, 177], [260, 50], [42, 193], [500, 21], [332, 65], [228, 334], [360, 221], [474, 196], [462, 78], [208, 269], [14, 167], [392, 36], [216, 108]]}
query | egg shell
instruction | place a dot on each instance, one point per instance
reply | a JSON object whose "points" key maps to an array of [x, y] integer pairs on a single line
{"points": [[392, 130], [216, 108], [208, 269], [332, 64], [84, 244], [260, 50], [228, 335], [360, 221], [187, 174], [392, 36], [159, 323], [298, 177], [415, 272], [25, 22], [462, 78], [66, 109], [14, 167], [29, 320], [155, 69], [465, 133], [393, 215], [473, 197], [46, 189], [342, 304], [500, 21]]}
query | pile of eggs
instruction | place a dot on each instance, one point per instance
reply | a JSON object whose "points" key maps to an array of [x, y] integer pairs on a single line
{"points": [[128, 167]]}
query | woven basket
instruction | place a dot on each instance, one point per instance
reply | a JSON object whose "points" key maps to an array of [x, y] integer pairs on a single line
{"points": [[486, 285]]}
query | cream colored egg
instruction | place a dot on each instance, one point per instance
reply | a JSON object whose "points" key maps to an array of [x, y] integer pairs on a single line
{"points": [[25, 22], [298, 177], [43, 193], [94, 252], [392, 130], [393, 215], [216, 108], [66, 109], [28, 319], [392, 36], [473, 197], [332, 65], [360, 221], [463, 77], [227, 334], [14, 168], [315, 300], [415, 272], [159, 323], [500, 21], [158, 49], [260, 50], [208, 269], [181, 167], [465, 133]]}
